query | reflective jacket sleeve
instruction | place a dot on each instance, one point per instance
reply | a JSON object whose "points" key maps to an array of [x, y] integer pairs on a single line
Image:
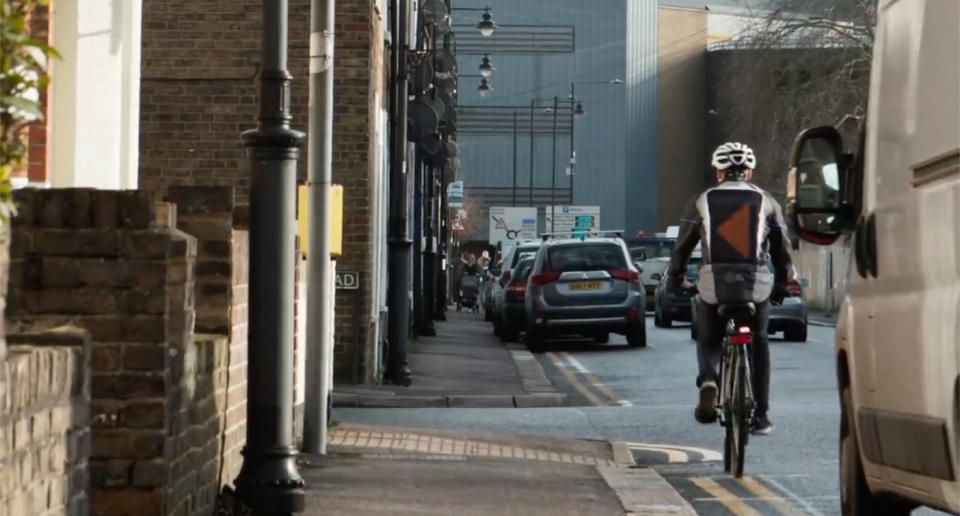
{"points": [[783, 270], [686, 242]]}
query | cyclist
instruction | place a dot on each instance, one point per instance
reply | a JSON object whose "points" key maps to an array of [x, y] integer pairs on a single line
{"points": [[741, 227]]}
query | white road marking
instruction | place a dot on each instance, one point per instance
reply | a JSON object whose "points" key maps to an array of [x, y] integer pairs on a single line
{"points": [[707, 454], [576, 364], [614, 397]]}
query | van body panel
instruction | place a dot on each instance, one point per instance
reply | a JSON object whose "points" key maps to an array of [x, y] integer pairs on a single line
{"points": [[901, 328]]}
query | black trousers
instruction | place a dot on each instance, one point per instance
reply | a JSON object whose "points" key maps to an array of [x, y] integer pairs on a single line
{"points": [[710, 332]]}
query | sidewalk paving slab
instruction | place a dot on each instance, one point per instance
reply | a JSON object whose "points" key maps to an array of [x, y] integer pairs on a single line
{"points": [[464, 365], [374, 469]]}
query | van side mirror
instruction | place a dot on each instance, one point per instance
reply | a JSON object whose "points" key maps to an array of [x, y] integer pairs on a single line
{"points": [[817, 206]]}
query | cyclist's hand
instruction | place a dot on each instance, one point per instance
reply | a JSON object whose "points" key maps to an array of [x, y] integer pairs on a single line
{"points": [[687, 285]]}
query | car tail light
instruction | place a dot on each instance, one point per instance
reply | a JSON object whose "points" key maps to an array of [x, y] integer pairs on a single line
{"points": [[742, 337], [544, 278], [517, 289], [794, 289], [625, 274]]}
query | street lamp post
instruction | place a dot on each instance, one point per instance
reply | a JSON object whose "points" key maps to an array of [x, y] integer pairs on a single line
{"points": [[573, 153], [486, 25], [514, 158], [268, 481], [553, 167], [400, 245], [485, 88], [533, 104], [576, 110]]}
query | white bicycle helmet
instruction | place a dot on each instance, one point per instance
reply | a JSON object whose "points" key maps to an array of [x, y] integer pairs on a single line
{"points": [[735, 155]]}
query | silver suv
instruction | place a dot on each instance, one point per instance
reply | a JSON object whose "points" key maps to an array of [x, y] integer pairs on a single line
{"points": [[585, 286]]}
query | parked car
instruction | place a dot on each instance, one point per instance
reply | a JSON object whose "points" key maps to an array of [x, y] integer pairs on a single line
{"points": [[653, 255], [510, 260], [896, 198], [488, 290], [514, 311], [789, 316], [585, 286], [672, 303]]}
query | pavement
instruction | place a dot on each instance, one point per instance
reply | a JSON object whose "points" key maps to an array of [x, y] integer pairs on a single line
{"points": [[464, 365], [395, 470], [383, 468]]}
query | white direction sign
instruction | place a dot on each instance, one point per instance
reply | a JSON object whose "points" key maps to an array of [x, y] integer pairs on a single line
{"points": [[572, 219], [511, 225]]}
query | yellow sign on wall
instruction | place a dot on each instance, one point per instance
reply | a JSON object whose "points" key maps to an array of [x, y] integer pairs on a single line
{"points": [[336, 219]]}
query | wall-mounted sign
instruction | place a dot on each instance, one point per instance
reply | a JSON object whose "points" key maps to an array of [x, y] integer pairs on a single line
{"points": [[455, 194], [459, 222], [348, 280]]}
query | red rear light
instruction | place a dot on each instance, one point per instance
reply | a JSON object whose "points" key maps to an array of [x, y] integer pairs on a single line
{"points": [[625, 274], [544, 278], [742, 337], [517, 289], [794, 289]]}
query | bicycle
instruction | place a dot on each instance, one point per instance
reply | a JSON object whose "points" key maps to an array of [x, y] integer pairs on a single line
{"points": [[735, 403]]}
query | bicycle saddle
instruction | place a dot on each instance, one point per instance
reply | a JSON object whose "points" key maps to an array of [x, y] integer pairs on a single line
{"points": [[737, 310]]}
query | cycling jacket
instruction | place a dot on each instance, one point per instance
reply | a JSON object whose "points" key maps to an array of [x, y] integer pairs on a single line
{"points": [[741, 228]]}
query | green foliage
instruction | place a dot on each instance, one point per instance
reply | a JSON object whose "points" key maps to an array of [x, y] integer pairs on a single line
{"points": [[23, 75]]}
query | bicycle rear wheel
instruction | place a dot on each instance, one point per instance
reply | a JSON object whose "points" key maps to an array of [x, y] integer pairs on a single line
{"points": [[740, 419], [727, 446], [726, 418]]}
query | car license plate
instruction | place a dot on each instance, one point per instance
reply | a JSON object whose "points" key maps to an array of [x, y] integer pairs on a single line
{"points": [[587, 285]]}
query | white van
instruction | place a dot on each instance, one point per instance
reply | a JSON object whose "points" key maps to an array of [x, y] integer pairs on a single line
{"points": [[898, 198]]}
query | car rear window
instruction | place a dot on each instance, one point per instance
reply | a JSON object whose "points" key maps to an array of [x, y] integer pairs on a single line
{"points": [[585, 257], [523, 269], [521, 251]]}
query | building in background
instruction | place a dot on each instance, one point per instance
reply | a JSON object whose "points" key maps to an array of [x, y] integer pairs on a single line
{"points": [[89, 136], [539, 49]]}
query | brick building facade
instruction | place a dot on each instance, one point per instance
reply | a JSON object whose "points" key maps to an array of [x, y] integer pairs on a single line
{"points": [[158, 388], [198, 93]]}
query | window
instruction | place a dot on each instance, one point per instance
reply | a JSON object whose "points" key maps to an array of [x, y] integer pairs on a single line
{"points": [[585, 257]]}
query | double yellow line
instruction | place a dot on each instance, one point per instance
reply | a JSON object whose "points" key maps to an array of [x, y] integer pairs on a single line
{"points": [[737, 505], [585, 382]]}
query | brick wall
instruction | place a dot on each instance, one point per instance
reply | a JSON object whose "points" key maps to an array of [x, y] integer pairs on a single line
{"points": [[198, 94], [45, 424], [221, 277], [358, 84], [168, 407]]}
